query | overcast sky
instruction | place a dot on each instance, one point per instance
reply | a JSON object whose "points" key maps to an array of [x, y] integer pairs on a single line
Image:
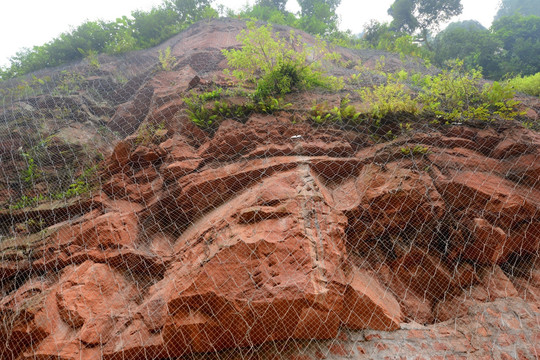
{"points": [[25, 23]]}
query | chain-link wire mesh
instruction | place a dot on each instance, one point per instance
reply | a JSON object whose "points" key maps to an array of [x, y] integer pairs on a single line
{"points": [[152, 209]]}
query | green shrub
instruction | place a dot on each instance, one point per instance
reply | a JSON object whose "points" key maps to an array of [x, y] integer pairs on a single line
{"points": [[199, 114], [322, 113], [166, 59], [27, 201], [142, 29], [413, 151], [208, 114], [92, 57], [25, 88], [390, 98], [211, 95], [271, 105], [32, 172], [81, 185], [529, 85], [283, 79], [346, 39], [457, 95], [69, 83], [146, 133], [278, 66]]}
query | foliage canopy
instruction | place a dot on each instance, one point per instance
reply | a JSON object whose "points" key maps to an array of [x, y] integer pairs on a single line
{"points": [[422, 16], [523, 7], [510, 46], [276, 4], [141, 30], [470, 42], [319, 16]]}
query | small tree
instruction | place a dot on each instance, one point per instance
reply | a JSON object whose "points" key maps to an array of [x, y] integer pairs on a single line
{"points": [[402, 11], [278, 66]]}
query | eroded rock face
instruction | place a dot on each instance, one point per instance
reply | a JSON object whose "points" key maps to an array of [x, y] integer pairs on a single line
{"points": [[271, 230], [224, 254]]}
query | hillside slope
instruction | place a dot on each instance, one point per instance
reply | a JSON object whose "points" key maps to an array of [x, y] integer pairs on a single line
{"points": [[266, 234]]}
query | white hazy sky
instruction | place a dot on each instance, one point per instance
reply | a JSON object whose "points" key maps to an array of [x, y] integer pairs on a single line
{"points": [[25, 23]]}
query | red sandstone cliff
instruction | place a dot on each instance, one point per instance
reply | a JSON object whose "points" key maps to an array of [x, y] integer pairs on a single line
{"points": [[272, 231]]}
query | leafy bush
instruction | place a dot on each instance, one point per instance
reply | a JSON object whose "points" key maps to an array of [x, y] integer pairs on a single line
{"points": [[122, 37], [208, 114], [457, 95], [166, 59], [413, 151], [91, 35], [284, 78], [346, 39], [152, 27], [81, 185], [390, 98], [24, 88], [32, 172], [211, 95], [27, 201], [403, 45], [92, 58], [527, 84], [520, 43], [146, 132], [271, 105], [278, 66], [68, 83], [322, 113], [319, 17], [470, 42]]}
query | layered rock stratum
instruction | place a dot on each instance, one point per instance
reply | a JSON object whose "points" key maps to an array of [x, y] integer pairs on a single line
{"points": [[271, 237]]}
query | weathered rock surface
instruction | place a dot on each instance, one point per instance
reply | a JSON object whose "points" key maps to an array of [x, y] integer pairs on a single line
{"points": [[257, 250], [269, 232]]}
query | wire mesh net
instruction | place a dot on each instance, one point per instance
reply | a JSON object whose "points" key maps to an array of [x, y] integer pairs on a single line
{"points": [[152, 209]]}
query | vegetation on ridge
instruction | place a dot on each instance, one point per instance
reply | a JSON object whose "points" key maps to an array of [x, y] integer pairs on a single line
{"points": [[268, 67], [271, 67], [510, 47]]}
